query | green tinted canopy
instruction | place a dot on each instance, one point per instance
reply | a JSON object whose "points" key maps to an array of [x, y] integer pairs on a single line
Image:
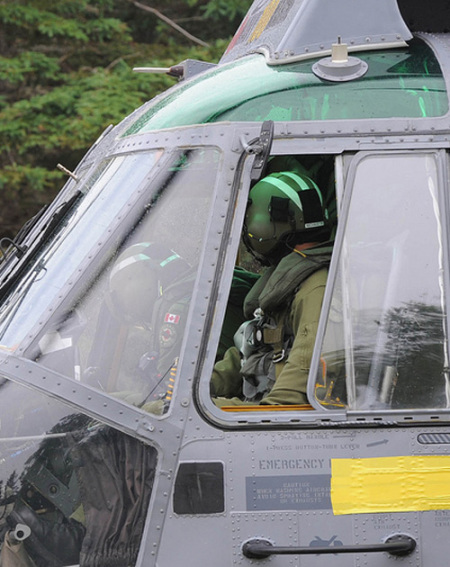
{"points": [[400, 83]]}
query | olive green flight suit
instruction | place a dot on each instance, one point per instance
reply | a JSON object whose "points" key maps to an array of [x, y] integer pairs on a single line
{"points": [[300, 314]]}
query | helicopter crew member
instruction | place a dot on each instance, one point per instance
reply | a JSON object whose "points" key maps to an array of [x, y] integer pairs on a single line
{"points": [[286, 227], [151, 286]]}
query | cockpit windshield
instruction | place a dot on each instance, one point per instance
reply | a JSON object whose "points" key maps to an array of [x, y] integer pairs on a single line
{"points": [[106, 301], [92, 215]]}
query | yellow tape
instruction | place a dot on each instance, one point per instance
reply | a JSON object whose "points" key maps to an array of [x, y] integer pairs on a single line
{"points": [[390, 484], [264, 20]]}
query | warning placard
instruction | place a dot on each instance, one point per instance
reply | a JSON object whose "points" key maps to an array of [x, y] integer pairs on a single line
{"points": [[296, 492]]}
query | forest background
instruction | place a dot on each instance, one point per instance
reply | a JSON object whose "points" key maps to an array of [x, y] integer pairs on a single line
{"points": [[66, 73]]}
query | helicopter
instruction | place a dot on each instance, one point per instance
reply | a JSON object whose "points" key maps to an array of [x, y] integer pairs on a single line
{"points": [[114, 301]]}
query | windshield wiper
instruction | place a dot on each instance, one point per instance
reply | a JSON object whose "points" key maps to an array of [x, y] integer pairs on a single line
{"points": [[59, 216], [20, 250], [29, 224], [46, 232]]}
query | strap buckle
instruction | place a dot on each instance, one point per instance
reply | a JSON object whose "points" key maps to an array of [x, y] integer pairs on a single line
{"points": [[279, 356]]}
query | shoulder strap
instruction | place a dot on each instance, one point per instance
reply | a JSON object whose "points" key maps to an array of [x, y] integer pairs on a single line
{"points": [[251, 302], [288, 276]]}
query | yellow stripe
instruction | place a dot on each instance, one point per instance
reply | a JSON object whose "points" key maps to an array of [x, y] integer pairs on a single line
{"points": [[264, 20], [390, 484]]}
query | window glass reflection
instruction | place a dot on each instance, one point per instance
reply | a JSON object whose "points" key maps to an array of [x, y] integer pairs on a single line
{"points": [[94, 209], [72, 490], [399, 83], [123, 327], [385, 342]]}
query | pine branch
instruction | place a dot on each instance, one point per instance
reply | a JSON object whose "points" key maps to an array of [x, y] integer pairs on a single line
{"points": [[168, 21]]}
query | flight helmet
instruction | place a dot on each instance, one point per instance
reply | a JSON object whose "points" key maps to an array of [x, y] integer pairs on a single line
{"points": [[139, 278], [284, 209]]}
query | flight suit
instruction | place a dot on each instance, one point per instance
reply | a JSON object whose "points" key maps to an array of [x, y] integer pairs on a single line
{"points": [[292, 295]]}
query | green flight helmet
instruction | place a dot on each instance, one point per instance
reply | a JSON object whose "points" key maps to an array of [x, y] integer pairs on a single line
{"points": [[139, 278], [284, 209]]}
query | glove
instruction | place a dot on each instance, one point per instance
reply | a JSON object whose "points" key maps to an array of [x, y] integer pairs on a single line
{"points": [[52, 544]]}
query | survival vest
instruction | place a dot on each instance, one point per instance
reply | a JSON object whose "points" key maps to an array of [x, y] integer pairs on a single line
{"points": [[267, 338]]}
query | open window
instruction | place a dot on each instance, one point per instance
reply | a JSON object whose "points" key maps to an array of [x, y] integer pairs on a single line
{"points": [[384, 326], [257, 336]]}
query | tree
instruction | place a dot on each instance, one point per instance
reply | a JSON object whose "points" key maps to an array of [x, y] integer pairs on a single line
{"points": [[66, 74]]}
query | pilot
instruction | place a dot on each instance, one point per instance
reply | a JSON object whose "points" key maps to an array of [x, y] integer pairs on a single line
{"points": [[286, 228], [150, 286]]}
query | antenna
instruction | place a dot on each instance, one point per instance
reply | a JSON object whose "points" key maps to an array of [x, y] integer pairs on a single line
{"points": [[184, 70], [67, 171], [340, 67], [339, 52], [176, 71]]}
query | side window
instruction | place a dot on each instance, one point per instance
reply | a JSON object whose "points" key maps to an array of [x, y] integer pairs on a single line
{"points": [[73, 491], [199, 488], [385, 343], [278, 286]]}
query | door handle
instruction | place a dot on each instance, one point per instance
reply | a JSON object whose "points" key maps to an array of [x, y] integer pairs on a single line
{"points": [[398, 545]]}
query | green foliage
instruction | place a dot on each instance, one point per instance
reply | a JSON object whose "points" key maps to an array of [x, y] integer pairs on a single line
{"points": [[66, 74], [19, 203], [45, 23], [223, 9], [28, 66]]}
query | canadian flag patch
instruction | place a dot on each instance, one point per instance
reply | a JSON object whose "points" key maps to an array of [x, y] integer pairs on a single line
{"points": [[171, 318]]}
